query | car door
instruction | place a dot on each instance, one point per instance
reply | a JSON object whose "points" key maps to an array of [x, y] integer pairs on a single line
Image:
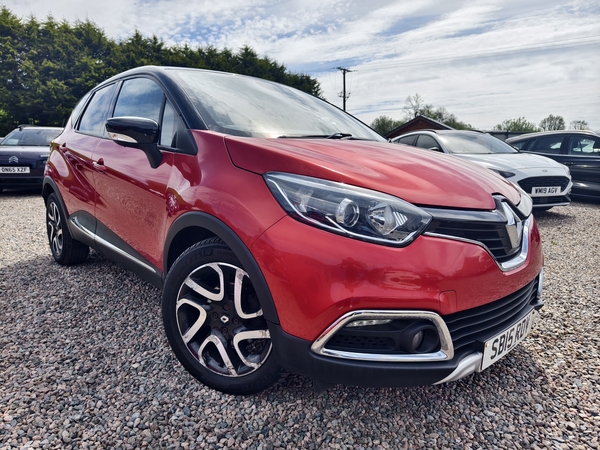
{"points": [[131, 205], [583, 158], [75, 163]]}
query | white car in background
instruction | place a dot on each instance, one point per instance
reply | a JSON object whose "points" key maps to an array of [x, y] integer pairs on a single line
{"points": [[545, 180]]}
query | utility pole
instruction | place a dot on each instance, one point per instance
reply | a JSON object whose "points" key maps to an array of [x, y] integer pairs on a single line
{"points": [[343, 93]]}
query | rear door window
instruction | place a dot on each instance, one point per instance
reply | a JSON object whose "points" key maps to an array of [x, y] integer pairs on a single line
{"points": [[547, 144], [95, 115], [584, 146]]}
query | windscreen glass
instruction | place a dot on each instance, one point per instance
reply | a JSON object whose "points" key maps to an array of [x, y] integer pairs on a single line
{"points": [[31, 137], [245, 106], [475, 143]]}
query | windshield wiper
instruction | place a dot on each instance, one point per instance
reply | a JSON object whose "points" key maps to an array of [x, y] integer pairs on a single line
{"points": [[320, 136]]}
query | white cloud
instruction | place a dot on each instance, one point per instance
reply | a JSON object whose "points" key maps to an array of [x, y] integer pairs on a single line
{"points": [[484, 61]]}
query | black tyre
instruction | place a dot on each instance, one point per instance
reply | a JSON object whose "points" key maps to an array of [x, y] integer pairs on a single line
{"points": [[64, 248], [214, 322]]}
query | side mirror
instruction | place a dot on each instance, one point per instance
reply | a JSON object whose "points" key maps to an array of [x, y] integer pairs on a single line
{"points": [[136, 132], [435, 149]]}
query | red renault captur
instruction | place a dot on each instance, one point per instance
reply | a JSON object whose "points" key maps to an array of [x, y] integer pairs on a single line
{"points": [[286, 233]]}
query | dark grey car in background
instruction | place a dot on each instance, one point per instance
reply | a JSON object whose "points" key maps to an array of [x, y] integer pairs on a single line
{"points": [[579, 150]]}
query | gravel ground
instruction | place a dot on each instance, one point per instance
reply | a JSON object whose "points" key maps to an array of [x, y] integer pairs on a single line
{"points": [[85, 364]]}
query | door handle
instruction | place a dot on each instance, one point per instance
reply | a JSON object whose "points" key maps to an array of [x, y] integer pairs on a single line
{"points": [[569, 163], [99, 166]]}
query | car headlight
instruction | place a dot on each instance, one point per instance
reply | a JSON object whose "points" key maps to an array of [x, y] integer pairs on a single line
{"points": [[348, 210], [503, 173]]}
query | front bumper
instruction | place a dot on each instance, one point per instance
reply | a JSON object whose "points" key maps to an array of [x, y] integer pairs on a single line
{"points": [[30, 180], [466, 355]]}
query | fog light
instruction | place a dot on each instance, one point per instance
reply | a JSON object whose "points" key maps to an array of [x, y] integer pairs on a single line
{"points": [[420, 337], [417, 340]]}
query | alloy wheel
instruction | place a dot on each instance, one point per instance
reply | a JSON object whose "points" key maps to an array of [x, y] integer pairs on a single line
{"points": [[220, 320], [55, 231]]}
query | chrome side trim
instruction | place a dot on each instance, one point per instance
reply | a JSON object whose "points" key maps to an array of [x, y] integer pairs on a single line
{"points": [[107, 244], [446, 351], [506, 266], [466, 366]]}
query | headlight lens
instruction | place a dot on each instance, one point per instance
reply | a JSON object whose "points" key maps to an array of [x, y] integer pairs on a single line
{"points": [[348, 210], [503, 173]]}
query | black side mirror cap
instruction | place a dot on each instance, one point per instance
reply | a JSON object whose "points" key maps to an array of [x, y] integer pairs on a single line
{"points": [[136, 132]]}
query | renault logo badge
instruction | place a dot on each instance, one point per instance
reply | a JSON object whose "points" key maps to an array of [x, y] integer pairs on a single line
{"points": [[514, 226]]}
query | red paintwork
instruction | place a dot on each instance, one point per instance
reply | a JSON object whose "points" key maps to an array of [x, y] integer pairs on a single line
{"points": [[131, 197], [314, 276], [418, 176]]}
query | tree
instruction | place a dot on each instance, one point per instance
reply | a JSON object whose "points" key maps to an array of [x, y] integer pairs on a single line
{"points": [[46, 67], [551, 123], [414, 106], [579, 125], [384, 124], [520, 124]]}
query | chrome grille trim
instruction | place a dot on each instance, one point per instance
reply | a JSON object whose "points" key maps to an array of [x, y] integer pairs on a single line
{"points": [[506, 266]]}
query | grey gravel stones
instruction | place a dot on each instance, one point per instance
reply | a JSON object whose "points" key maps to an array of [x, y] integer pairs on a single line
{"points": [[84, 364]]}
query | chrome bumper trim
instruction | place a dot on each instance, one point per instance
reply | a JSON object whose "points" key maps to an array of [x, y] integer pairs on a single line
{"points": [[466, 366], [446, 351]]}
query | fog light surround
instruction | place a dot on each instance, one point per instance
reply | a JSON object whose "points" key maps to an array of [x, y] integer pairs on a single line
{"points": [[435, 345]]}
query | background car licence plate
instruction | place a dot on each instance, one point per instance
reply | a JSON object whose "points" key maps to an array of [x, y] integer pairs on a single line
{"points": [[546, 190], [498, 346], [9, 169]]}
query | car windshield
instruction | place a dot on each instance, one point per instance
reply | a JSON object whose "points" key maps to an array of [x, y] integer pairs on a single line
{"points": [[245, 106], [475, 143], [31, 137]]}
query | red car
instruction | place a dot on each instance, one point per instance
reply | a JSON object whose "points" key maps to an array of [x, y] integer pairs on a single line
{"points": [[286, 233]]}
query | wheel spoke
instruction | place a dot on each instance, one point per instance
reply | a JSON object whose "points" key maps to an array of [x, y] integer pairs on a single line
{"points": [[214, 296], [245, 335], [212, 339], [237, 296], [191, 332]]}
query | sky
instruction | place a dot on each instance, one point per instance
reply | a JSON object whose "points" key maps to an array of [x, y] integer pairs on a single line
{"points": [[484, 61]]}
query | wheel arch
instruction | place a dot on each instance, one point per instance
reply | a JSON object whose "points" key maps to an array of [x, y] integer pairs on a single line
{"points": [[49, 187], [193, 227]]}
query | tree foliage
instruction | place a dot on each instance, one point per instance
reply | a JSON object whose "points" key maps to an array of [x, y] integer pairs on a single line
{"points": [[46, 67], [579, 125], [520, 124], [384, 124], [414, 106], [552, 123]]}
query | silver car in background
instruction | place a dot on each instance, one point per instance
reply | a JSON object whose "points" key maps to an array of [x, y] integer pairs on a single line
{"points": [[545, 180]]}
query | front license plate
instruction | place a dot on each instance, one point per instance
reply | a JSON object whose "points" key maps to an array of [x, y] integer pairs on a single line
{"points": [[12, 169], [498, 346], [546, 190]]}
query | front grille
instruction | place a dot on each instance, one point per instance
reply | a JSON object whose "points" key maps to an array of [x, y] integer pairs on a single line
{"points": [[356, 343], [550, 200], [476, 325], [528, 183], [493, 235]]}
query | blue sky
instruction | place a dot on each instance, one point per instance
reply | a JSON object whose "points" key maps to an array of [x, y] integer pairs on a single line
{"points": [[485, 60]]}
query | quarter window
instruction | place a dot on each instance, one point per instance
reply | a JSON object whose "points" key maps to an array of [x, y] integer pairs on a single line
{"points": [[520, 145], [94, 117], [169, 127]]}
